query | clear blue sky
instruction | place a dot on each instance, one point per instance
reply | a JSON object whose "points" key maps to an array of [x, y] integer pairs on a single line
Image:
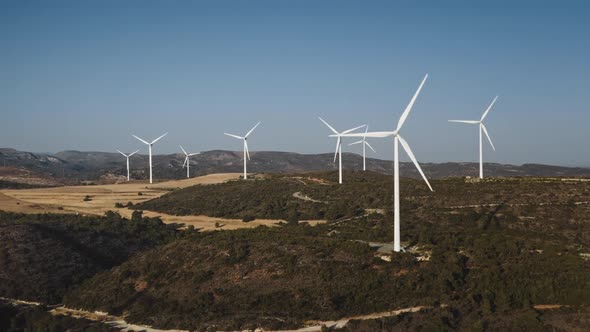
{"points": [[84, 75]]}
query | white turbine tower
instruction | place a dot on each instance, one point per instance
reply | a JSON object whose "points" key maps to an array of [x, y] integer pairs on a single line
{"points": [[150, 150], [482, 128], [187, 161], [396, 140], [338, 152], [127, 156], [246, 151], [365, 144]]}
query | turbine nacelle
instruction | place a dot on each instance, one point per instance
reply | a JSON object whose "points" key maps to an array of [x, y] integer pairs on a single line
{"points": [[395, 133], [338, 151], [245, 140], [482, 129], [150, 144], [397, 140]]}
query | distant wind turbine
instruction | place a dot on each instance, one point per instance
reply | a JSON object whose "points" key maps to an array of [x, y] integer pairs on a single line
{"points": [[365, 144], [187, 161], [397, 139], [127, 156], [338, 152], [246, 152], [150, 150], [482, 128]]}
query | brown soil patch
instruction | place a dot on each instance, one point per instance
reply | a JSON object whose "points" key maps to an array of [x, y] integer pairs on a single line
{"points": [[70, 199], [12, 204], [548, 306], [140, 285]]}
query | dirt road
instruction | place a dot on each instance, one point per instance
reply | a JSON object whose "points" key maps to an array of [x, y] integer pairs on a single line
{"points": [[118, 322]]}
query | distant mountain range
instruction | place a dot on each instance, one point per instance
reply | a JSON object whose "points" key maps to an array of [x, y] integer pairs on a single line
{"points": [[76, 166]]}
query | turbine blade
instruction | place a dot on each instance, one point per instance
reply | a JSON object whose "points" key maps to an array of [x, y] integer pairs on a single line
{"points": [[157, 139], [185, 160], [358, 142], [370, 147], [378, 134], [183, 150], [331, 128], [194, 154], [123, 154], [234, 136], [337, 146], [489, 108], [485, 131], [406, 112], [247, 151], [136, 151], [141, 140], [411, 155], [353, 129], [251, 130], [465, 121]]}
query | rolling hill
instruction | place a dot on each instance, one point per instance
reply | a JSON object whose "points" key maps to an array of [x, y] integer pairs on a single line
{"points": [[481, 256], [489, 255], [71, 167], [41, 256]]}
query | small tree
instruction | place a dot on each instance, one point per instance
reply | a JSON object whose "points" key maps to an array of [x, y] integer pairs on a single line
{"points": [[293, 217], [248, 218], [137, 215]]}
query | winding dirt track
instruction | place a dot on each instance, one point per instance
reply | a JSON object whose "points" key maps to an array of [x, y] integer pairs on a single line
{"points": [[118, 322], [314, 326], [70, 199]]}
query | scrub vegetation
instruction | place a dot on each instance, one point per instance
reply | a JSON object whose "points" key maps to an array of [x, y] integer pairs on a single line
{"points": [[41, 256], [483, 256]]}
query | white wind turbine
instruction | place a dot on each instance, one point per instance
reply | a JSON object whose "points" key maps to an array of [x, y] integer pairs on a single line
{"points": [[127, 156], [482, 128], [246, 152], [187, 161], [398, 139], [150, 150], [365, 144], [338, 152]]}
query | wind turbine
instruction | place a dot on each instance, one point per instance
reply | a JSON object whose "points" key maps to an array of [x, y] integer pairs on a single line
{"points": [[127, 156], [482, 128], [150, 150], [365, 144], [396, 140], [187, 161], [338, 152], [246, 152]]}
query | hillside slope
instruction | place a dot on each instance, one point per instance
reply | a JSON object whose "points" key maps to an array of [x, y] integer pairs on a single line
{"points": [[282, 277], [319, 196], [43, 255], [489, 263]]}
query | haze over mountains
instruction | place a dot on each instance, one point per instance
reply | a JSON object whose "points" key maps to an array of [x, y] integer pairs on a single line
{"points": [[75, 166]]}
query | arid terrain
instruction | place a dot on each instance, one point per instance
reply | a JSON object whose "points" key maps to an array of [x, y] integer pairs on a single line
{"points": [[98, 199], [493, 255]]}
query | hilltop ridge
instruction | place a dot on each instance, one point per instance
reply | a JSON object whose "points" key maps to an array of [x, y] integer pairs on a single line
{"points": [[70, 167]]}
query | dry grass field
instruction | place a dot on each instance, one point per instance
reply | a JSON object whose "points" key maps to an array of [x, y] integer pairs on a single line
{"points": [[102, 198]]}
